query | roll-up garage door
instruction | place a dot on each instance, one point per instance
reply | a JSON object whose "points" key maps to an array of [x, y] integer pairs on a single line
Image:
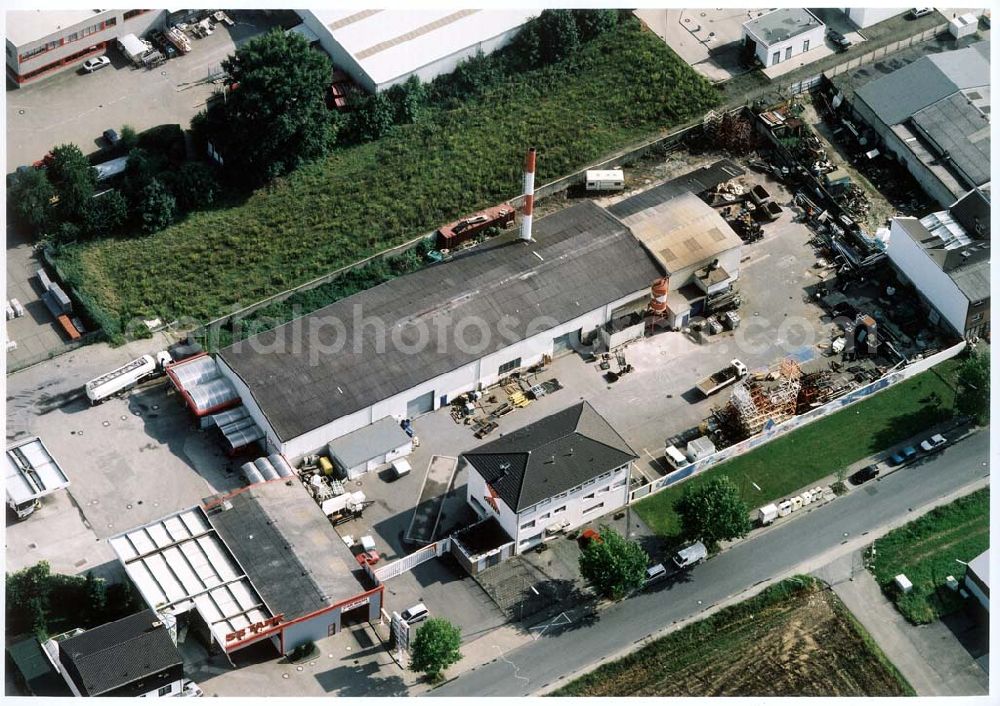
{"points": [[420, 405]]}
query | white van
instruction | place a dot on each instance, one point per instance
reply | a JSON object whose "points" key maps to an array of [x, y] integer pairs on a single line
{"points": [[414, 614], [674, 457]]}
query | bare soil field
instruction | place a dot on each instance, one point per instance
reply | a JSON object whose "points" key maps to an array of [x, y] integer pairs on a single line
{"points": [[794, 639]]}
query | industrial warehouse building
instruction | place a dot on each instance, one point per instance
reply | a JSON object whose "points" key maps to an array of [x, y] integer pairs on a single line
{"points": [[413, 344], [550, 476], [946, 256], [41, 42], [260, 564], [933, 116], [781, 34], [381, 48]]}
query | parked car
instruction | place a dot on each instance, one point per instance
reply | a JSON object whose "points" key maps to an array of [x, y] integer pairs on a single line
{"points": [[839, 40], [656, 571], [93, 64], [935, 442], [865, 474], [415, 614], [902, 456], [920, 12], [112, 137]]}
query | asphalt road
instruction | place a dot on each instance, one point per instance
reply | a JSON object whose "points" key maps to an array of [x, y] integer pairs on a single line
{"points": [[800, 546]]}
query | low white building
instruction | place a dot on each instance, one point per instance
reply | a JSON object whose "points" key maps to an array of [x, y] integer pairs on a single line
{"points": [[551, 476], [977, 579], [41, 42], [367, 448], [381, 48], [782, 34], [868, 16], [945, 256]]}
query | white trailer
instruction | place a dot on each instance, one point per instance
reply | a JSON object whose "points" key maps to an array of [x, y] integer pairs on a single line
{"points": [[767, 514], [605, 180], [103, 387]]}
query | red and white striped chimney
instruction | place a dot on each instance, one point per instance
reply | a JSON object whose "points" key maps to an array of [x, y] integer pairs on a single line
{"points": [[529, 194]]}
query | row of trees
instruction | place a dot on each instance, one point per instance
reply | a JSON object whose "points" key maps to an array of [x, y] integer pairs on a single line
{"points": [[43, 603]]}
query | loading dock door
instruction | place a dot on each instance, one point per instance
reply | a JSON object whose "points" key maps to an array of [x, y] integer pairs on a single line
{"points": [[567, 343], [420, 405]]}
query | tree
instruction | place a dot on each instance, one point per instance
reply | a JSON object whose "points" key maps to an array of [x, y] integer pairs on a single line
{"points": [[26, 597], [74, 181], [193, 185], [157, 207], [614, 565], [96, 596], [141, 168], [409, 99], [713, 512], [973, 395], [593, 23], [105, 214], [435, 648], [30, 196], [274, 116], [373, 116], [558, 35], [129, 139]]}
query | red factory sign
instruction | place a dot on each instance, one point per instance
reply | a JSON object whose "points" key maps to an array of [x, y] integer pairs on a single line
{"points": [[255, 628], [356, 604]]}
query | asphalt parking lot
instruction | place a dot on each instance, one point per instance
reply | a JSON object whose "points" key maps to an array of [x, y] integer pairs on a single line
{"points": [[74, 107]]}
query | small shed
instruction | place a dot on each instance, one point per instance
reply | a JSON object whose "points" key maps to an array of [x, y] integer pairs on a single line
{"points": [[605, 179], [963, 25], [369, 447], [700, 448], [133, 47]]}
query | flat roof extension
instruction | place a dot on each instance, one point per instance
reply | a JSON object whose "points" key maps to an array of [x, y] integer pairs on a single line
{"points": [[782, 24], [26, 26]]}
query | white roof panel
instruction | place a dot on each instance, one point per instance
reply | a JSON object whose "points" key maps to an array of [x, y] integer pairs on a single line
{"points": [[392, 43], [32, 472], [143, 542], [26, 26]]}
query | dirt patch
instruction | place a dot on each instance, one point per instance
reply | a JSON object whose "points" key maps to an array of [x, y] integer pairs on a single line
{"points": [[796, 639]]}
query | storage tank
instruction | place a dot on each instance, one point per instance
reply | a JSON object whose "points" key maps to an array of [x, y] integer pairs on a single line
{"points": [[266, 469], [658, 300], [251, 473], [281, 465]]}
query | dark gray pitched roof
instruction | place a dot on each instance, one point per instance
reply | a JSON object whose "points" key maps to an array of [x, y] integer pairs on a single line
{"points": [[120, 653], [583, 258], [960, 132], [552, 455]]}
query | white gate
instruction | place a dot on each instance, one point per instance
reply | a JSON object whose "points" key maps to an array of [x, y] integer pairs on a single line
{"points": [[401, 566]]}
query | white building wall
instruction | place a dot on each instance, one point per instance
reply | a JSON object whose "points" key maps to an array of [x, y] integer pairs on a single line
{"points": [[477, 492], [138, 25], [934, 285], [868, 16], [973, 588], [468, 377], [765, 53]]}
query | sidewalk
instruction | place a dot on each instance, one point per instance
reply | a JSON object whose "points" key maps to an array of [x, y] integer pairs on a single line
{"points": [[929, 656]]}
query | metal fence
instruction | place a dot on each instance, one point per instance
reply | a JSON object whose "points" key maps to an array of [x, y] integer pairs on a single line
{"points": [[401, 566]]}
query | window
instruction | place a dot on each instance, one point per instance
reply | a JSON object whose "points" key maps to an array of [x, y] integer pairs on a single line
{"points": [[589, 496], [559, 509], [546, 516], [619, 484], [509, 365], [805, 45], [528, 525], [788, 53], [604, 489], [776, 58], [977, 317], [129, 14], [592, 508], [164, 690]]}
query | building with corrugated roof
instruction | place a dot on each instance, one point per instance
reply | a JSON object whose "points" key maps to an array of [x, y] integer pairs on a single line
{"points": [[381, 48], [946, 257], [933, 116]]}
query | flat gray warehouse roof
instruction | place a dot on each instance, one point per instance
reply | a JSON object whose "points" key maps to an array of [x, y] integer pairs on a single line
{"points": [[364, 444], [960, 130], [325, 365], [782, 24]]}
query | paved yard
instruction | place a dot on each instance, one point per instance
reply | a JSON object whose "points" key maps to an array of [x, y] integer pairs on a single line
{"points": [[931, 657], [77, 108]]}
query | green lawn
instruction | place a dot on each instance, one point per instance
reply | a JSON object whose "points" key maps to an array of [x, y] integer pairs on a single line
{"points": [[620, 88], [793, 639], [926, 551], [794, 461]]}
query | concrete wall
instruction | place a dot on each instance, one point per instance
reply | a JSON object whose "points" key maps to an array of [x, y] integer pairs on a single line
{"points": [[934, 285], [69, 48], [765, 53], [682, 474]]}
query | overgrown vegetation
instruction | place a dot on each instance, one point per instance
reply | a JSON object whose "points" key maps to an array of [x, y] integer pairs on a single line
{"points": [[927, 551], [793, 639], [817, 450], [973, 397], [43, 603], [616, 89]]}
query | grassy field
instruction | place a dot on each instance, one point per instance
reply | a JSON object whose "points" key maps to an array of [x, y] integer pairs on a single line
{"points": [[794, 639], [620, 88], [821, 448], [926, 551]]}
